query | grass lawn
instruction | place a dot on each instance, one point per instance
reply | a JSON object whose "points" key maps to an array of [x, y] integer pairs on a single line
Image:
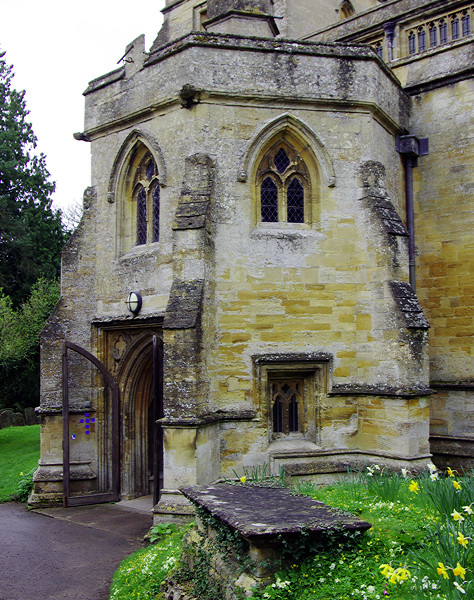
{"points": [[19, 454], [420, 547]]}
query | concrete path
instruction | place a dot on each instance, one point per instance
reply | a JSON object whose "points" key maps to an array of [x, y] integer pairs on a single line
{"points": [[66, 554]]}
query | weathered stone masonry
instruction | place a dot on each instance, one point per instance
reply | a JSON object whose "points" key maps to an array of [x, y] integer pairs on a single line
{"points": [[285, 337]]}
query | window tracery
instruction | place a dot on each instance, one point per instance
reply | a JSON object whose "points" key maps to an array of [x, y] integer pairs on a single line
{"points": [[448, 28], [283, 185], [140, 208]]}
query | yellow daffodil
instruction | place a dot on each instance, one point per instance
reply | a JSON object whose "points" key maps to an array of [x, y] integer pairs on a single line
{"points": [[393, 578], [462, 540], [403, 573], [243, 479], [459, 588], [457, 485], [468, 509], [386, 570], [458, 570], [457, 516], [442, 570], [414, 487], [450, 472], [21, 473]]}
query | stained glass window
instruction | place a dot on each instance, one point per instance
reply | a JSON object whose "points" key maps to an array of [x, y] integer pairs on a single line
{"points": [[269, 201]]}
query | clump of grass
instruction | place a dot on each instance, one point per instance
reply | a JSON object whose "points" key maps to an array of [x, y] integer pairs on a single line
{"points": [[20, 451], [420, 546], [140, 575]]}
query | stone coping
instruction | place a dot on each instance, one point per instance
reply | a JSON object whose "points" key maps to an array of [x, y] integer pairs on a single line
{"points": [[256, 511]]}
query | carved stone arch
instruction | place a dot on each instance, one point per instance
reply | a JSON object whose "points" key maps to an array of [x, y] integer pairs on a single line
{"points": [[297, 129], [133, 138], [137, 214], [135, 378]]}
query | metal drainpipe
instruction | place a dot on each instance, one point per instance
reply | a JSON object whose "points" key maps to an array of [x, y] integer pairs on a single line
{"points": [[410, 147], [410, 162]]}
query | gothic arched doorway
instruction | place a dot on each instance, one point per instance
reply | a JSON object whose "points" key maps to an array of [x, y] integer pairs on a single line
{"points": [[141, 447]]}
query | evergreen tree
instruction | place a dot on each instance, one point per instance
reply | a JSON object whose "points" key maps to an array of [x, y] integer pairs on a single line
{"points": [[31, 233]]}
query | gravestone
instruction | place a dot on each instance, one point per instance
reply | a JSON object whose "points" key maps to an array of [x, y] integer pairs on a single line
{"points": [[248, 532]]}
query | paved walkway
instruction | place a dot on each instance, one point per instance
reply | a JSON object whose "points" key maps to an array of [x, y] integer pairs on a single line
{"points": [[67, 554]]}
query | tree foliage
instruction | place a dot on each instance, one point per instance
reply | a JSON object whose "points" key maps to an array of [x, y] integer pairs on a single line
{"points": [[31, 239], [19, 344], [31, 233]]}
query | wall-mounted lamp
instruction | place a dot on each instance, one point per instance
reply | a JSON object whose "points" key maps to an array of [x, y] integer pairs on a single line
{"points": [[134, 302]]}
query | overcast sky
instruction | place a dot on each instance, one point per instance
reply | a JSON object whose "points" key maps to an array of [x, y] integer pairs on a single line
{"points": [[56, 48]]}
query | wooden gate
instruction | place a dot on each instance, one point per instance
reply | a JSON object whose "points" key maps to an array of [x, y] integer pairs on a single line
{"points": [[113, 494]]}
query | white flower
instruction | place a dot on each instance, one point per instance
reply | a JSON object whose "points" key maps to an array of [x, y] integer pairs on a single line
{"points": [[371, 589], [434, 476], [459, 588], [432, 468], [377, 467], [333, 566]]}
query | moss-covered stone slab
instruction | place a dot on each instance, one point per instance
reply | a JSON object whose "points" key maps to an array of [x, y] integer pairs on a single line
{"points": [[261, 511]]}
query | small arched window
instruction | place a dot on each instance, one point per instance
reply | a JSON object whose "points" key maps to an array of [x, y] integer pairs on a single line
{"points": [[146, 197], [346, 10], [287, 398], [283, 186], [421, 40]]}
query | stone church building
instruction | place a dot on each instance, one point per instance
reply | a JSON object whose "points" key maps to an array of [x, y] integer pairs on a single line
{"points": [[275, 261]]}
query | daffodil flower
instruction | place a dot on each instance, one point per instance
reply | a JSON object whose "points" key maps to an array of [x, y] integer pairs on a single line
{"points": [[243, 479], [414, 487], [386, 570], [404, 472], [462, 540], [457, 485], [432, 468], [457, 516], [468, 509], [450, 472], [459, 588], [458, 570], [434, 476], [442, 570]]}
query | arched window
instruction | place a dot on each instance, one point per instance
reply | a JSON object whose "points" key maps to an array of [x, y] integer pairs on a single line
{"points": [[346, 10], [411, 43], [433, 35], [455, 28], [443, 32], [466, 24], [140, 200], [421, 40], [287, 397], [283, 186]]}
